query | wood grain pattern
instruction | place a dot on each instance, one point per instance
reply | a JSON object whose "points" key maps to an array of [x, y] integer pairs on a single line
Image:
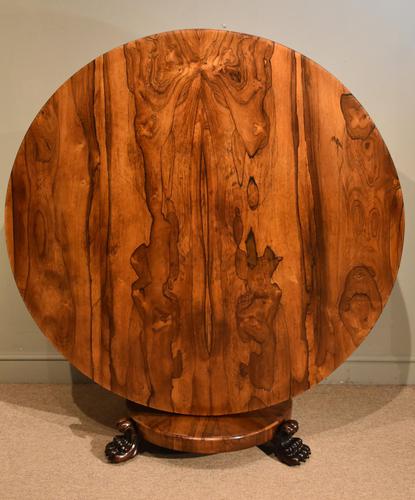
{"points": [[204, 222], [209, 434]]}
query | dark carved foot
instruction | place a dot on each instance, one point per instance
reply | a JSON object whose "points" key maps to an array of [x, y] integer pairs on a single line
{"points": [[126, 446], [289, 449]]}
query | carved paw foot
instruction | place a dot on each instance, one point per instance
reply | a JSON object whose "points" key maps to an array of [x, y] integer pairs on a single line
{"points": [[125, 446], [289, 449]]}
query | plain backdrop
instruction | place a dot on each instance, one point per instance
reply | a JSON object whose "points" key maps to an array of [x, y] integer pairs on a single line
{"points": [[369, 45]]}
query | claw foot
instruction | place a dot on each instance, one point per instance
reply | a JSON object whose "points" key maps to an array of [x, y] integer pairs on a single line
{"points": [[289, 449], [125, 446]]}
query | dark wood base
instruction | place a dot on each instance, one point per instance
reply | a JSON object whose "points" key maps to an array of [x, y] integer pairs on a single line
{"points": [[209, 434]]}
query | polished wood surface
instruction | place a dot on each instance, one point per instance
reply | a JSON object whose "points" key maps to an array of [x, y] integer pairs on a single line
{"points": [[209, 434], [204, 222]]}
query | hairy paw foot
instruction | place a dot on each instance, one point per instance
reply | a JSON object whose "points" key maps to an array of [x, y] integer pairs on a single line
{"points": [[289, 449], [125, 446]]}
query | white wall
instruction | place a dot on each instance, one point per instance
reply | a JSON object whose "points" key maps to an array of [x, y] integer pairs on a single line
{"points": [[369, 45]]}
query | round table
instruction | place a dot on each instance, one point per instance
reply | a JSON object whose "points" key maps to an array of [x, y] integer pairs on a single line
{"points": [[206, 223]]}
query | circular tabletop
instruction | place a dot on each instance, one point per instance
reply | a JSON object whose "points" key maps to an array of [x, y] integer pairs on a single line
{"points": [[204, 222]]}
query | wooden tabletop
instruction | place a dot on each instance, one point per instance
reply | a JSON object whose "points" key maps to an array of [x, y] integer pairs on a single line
{"points": [[204, 222]]}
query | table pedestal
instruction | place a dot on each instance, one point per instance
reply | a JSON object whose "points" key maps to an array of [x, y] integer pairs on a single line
{"points": [[209, 434]]}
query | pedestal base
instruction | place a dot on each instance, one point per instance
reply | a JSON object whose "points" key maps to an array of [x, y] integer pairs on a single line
{"points": [[209, 434]]}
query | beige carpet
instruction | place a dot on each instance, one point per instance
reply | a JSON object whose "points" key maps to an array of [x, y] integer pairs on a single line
{"points": [[52, 439]]}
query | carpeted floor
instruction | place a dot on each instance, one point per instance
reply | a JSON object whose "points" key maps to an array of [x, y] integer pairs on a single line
{"points": [[52, 439]]}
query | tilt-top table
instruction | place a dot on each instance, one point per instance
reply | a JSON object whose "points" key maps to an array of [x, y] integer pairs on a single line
{"points": [[206, 223]]}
